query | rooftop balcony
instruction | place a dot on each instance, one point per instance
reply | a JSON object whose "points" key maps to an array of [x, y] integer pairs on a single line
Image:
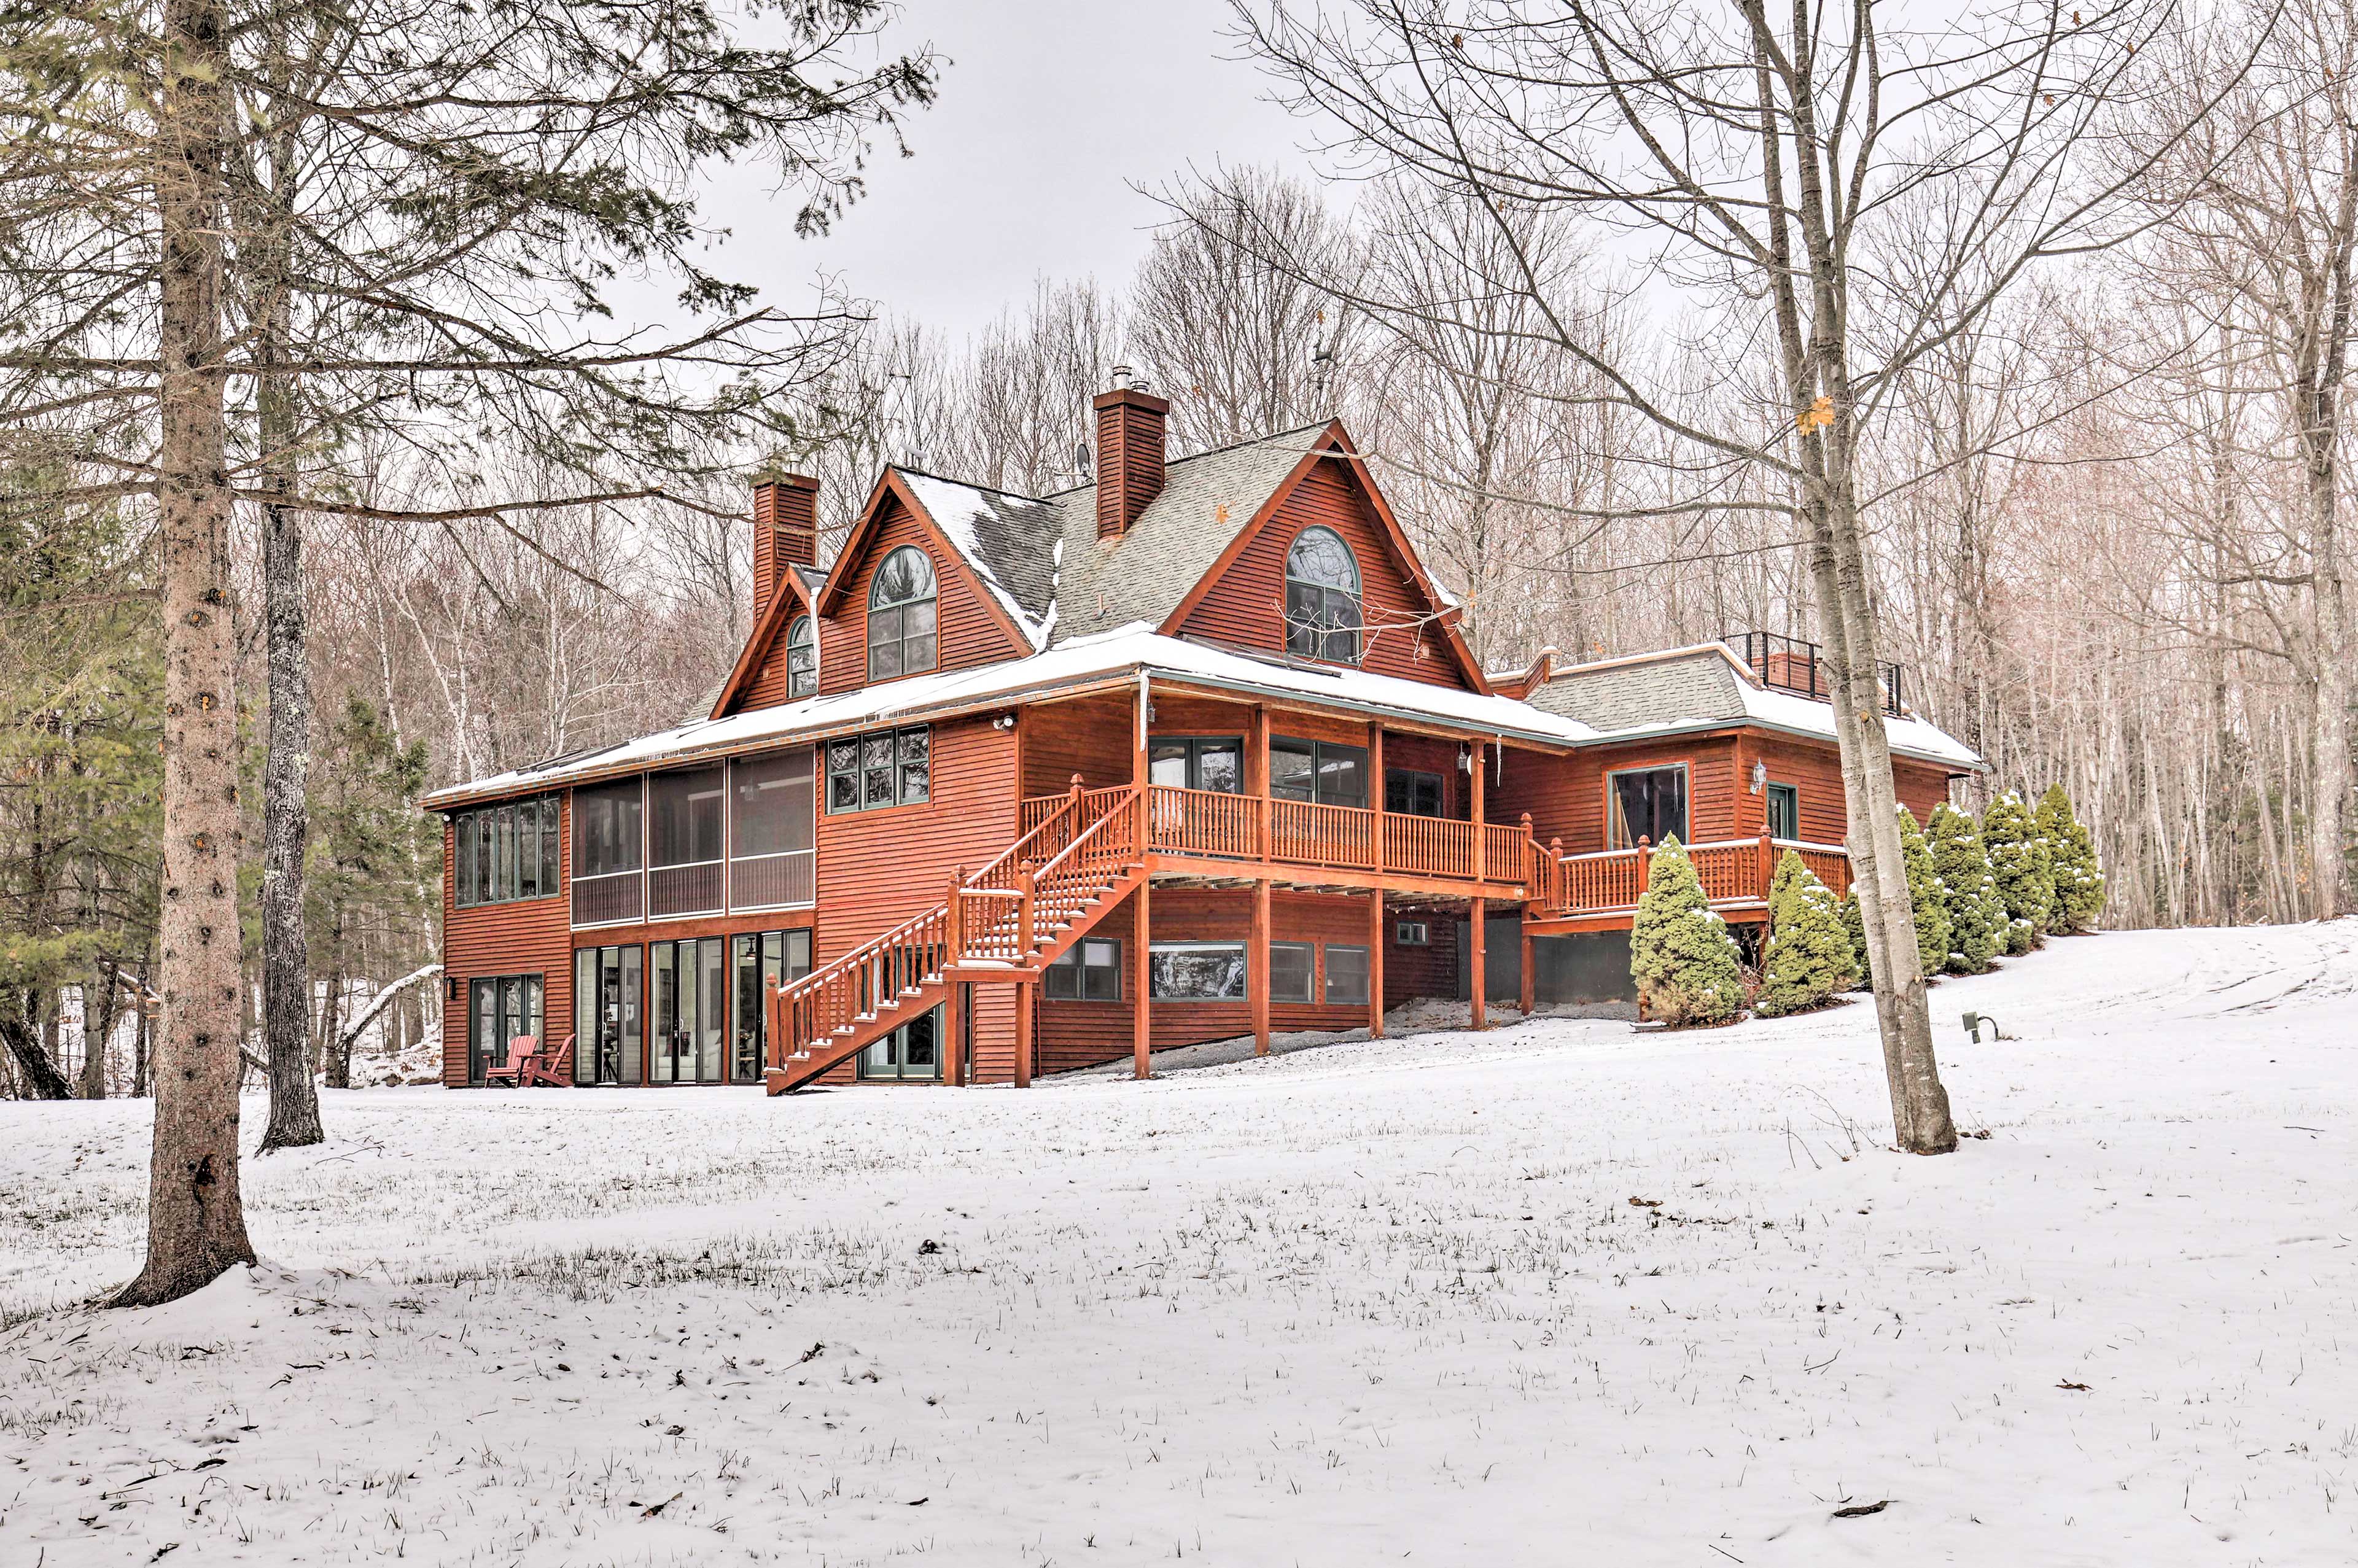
{"points": [[1787, 663]]}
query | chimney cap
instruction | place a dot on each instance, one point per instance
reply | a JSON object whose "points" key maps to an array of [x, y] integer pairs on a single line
{"points": [[781, 477]]}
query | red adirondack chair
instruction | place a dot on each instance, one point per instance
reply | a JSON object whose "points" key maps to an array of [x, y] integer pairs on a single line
{"points": [[520, 1052], [554, 1068]]}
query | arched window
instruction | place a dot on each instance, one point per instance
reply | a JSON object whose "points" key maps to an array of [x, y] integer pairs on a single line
{"points": [[1321, 598], [801, 658], [901, 616]]}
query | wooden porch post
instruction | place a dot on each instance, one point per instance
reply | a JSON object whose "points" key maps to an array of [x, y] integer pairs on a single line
{"points": [[1023, 1034], [1141, 1039], [1257, 967], [1481, 858], [1257, 775], [1376, 796], [1529, 999], [1374, 963], [1481, 1018], [953, 1041]]}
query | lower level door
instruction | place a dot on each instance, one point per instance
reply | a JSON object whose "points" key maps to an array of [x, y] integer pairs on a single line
{"points": [[912, 1052]]}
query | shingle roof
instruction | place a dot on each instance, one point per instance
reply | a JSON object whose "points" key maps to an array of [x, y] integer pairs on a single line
{"points": [[1143, 575], [1693, 686], [1008, 540]]}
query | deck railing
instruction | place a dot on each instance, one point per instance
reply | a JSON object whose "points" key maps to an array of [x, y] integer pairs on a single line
{"points": [[1789, 663], [1732, 871], [1218, 824]]}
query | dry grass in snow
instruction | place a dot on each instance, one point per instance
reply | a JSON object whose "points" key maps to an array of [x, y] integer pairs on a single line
{"points": [[1562, 1292]]}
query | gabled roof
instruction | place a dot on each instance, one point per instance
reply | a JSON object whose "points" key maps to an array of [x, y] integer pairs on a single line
{"points": [[1010, 542], [1706, 687], [1078, 662], [1206, 503]]}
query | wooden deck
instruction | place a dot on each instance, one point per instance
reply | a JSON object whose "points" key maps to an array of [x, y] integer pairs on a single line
{"points": [[1599, 892]]}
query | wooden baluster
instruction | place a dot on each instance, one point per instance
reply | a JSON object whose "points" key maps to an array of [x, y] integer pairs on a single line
{"points": [[1023, 889]]}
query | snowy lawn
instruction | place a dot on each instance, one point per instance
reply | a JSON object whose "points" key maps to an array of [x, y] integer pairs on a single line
{"points": [[1560, 1293]]}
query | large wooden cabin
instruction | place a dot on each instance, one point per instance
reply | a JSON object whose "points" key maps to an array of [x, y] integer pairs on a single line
{"points": [[1019, 784]]}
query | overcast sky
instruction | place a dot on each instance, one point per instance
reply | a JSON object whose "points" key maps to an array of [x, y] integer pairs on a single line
{"points": [[1049, 110]]}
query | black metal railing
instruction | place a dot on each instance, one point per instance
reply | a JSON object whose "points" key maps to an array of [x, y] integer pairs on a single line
{"points": [[1787, 663]]}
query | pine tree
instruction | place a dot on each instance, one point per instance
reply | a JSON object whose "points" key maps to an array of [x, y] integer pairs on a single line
{"points": [[1854, 925], [1926, 895], [2019, 861], [1809, 956], [1682, 955], [2071, 858], [1976, 917]]}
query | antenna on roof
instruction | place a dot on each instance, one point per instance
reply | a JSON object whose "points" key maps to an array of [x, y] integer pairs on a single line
{"points": [[1084, 466]]}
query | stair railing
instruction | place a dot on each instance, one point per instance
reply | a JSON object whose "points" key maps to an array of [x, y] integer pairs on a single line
{"points": [[805, 1013]]}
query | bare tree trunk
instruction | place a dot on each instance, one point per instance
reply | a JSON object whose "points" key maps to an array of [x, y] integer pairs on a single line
{"points": [[20, 1030], [196, 1214], [100, 1009]]}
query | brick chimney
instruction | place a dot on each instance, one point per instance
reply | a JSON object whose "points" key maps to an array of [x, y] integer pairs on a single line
{"points": [[1133, 426], [785, 532]]}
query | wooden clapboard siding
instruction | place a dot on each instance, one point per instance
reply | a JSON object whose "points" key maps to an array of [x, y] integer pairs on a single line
{"points": [[1245, 604], [1089, 736], [768, 687], [1815, 772], [971, 633], [1429, 970], [993, 1060], [530, 936], [1083, 1034], [1565, 796]]}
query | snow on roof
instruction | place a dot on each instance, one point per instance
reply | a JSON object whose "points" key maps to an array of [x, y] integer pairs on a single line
{"points": [[1910, 737], [996, 533], [1125, 650]]}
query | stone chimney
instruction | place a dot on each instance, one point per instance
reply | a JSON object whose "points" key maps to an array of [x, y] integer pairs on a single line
{"points": [[785, 532], [1133, 427]]}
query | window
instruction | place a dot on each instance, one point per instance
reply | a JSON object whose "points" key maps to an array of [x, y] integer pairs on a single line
{"points": [[1293, 971], [606, 1018], [1646, 803], [901, 607], [685, 810], [1196, 971], [1321, 598], [758, 958], [1411, 794], [1192, 762], [913, 1052], [506, 853], [691, 1010], [1784, 811], [1347, 976], [1411, 934], [1317, 771], [606, 819], [802, 657], [498, 1010], [1089, 971], [772, 861], [891, 767]]}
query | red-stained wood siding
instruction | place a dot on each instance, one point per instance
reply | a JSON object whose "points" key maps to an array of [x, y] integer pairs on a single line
{"points": [[1565, 796], [1429, 970], [1246, 605], [877, 869], [768, 688], [1815, 772], [970, 633], [530, 936], [1089, 736]]}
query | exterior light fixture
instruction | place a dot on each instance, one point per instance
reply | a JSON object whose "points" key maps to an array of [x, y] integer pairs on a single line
{"points": [[1759, 776]]}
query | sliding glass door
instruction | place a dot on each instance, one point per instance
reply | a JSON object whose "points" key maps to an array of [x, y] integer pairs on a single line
{"points": [[606, 1016], [757, 959], [912, 1052], [498, 1011], [691, 1009]]}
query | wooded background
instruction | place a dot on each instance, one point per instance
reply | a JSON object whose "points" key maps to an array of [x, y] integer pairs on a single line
{"points": [[2115, 561]]}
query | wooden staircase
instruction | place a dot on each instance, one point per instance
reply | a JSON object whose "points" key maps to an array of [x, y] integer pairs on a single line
{"points": [[1002, 924]]}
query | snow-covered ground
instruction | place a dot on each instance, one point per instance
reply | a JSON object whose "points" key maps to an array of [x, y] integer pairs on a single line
{"points": [[1558, 1293]]}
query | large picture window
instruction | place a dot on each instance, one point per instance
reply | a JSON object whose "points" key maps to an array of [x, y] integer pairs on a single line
{"points": [[607, 1021], [802, 657], [607, 818], [1321, 598], [1196, 971], [506, 853], [901, 611], [1216, 763], [498, 1010], [891, 767], [1646, 803], [772, 861], [685, 811], [1090, 971], [1317, 771]]}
